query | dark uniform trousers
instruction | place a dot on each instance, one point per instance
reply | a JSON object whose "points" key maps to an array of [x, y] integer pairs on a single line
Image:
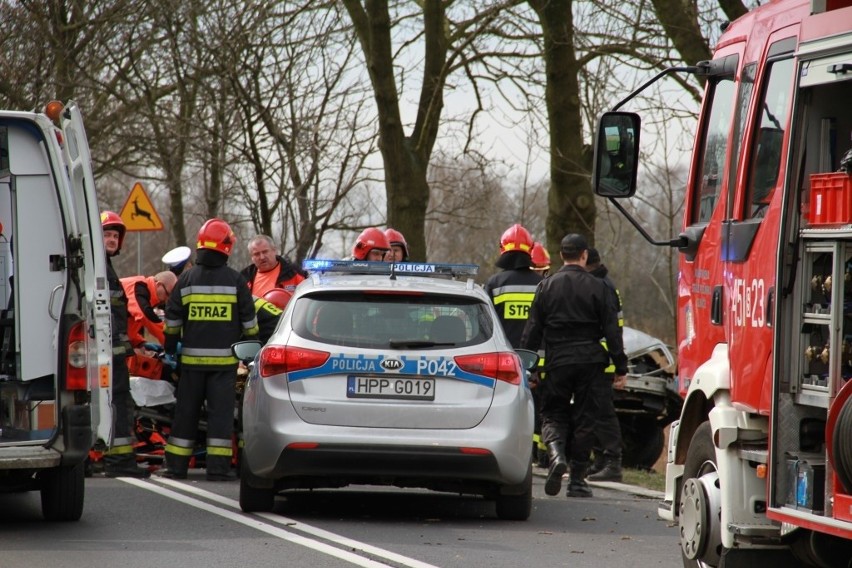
{"points": [[608, 428], [560, 417], [120, 455], [217, 387]]}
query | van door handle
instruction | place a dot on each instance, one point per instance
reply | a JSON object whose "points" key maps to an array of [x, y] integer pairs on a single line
{"points": [[50, 312]]}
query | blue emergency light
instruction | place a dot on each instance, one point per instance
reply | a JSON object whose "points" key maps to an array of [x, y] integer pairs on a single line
{"points": [[389, 268]]}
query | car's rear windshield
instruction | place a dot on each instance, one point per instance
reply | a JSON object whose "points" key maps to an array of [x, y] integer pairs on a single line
{"points": [[392, 321]]}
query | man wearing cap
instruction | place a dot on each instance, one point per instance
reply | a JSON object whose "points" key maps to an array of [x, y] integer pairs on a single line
{"points": [[269, 269], [572, 310], [177, 260]]}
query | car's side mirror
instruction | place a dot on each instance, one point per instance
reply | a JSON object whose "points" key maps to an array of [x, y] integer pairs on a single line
{"points": [[616, 154], [246, 351], [529, 359]]}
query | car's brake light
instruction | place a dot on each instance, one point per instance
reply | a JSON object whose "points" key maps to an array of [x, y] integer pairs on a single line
{"points": [[277, 359], [76, 359], [503, 366]]}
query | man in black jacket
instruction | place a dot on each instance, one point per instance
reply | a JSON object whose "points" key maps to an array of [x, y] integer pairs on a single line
{"points": [[209, 309], [571, 311], [120, 459]]}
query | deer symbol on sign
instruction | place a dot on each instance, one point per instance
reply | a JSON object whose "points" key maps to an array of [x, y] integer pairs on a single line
{"points": [[139, 212]]}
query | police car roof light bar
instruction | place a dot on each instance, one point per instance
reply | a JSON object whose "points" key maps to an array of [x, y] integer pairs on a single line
{"points": [[389, 268]]}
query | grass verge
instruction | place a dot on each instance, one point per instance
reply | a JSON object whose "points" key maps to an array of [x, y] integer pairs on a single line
{"points": [[643, 478]]}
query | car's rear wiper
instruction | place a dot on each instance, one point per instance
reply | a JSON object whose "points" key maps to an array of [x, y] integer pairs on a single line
{"points": [[417, 343]]}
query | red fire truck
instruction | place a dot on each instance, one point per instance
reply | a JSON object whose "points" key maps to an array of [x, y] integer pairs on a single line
{"points": [[760, 462]]}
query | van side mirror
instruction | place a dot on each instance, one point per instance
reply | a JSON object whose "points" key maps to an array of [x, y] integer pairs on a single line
{"points": [[616, 154]]}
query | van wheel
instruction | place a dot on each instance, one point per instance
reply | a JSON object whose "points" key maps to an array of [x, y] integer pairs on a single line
{"points": [[63, 492], [516, 507], [254, 499]]}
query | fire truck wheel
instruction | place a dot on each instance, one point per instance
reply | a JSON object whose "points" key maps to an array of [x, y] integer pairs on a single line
{"points": [[842, 446], [62, 492], [700, 506]]}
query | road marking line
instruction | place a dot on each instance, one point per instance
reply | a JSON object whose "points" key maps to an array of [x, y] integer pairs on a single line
{"points": [[292, 524]]}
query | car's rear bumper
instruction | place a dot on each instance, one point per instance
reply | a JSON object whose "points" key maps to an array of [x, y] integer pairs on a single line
{"points": [[373, 462]]}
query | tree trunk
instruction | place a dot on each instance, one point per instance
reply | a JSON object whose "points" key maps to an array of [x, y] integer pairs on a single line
{"points": [[571, 201], [406, 158]]}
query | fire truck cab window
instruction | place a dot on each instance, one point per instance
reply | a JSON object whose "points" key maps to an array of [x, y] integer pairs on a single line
{"points": [[766, 151], [713, 171]]}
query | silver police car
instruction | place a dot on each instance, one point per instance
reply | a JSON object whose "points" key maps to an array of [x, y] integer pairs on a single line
{"points": [[393, 374]]}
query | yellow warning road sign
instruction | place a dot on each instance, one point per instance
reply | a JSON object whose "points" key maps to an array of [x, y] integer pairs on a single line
{"points": [[138, 212]]}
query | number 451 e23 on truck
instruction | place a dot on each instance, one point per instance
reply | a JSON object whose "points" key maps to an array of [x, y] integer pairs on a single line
{"points": [[760, 462]]}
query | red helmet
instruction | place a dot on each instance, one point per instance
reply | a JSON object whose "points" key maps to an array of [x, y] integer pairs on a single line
{"points": [[369, 239], [110, 220], [540, 257], [396, 238], [279, 297], [216, 234], [516, 238]]}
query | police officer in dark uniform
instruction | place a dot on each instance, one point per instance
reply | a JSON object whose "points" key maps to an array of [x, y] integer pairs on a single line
{"points": [[120, 459], [209, 309], [571, 311], [607, 463], [513, 289]]}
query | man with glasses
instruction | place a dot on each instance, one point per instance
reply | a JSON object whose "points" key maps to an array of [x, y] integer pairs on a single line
{"points": [[146, 296]]}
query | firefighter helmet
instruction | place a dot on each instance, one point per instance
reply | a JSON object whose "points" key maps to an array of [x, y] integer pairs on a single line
{"points": [[111, 221], [396, 238], [540, 257], [369, 239], [279, 297], [516, 238], [216, 234]]}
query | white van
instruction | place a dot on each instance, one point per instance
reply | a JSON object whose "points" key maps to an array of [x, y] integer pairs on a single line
{"points": [[55, 349]]}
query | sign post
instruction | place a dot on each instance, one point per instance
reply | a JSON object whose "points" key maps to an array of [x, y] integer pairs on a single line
{"points": [[139, 214]]}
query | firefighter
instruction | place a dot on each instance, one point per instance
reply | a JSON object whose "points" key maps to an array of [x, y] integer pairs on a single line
{"points": [[571, 311], [512, 290], [607, 448], [210, 308], [120, 459], [399, 248], [269, 310], [541, 265], [540, 259], [269, 269], [371, 245]]}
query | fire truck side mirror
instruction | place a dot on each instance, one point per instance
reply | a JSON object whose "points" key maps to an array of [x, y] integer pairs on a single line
{"points": [[616, 154]]}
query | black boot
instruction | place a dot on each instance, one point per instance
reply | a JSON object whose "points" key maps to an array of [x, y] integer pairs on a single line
{"points": [[176, 467], [219, 469], [598, 463], [610, 472], [124, 466], [578, 487], [557, 468]]}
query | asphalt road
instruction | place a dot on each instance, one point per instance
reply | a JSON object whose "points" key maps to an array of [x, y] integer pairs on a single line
{"points": [[194, 523]]}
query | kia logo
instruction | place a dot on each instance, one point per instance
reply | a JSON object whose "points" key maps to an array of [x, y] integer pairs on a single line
{"points": [[391, 364]]}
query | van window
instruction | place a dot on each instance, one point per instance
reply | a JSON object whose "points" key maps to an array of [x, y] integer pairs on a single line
{"points": [[767, 142], [376, 320]]}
